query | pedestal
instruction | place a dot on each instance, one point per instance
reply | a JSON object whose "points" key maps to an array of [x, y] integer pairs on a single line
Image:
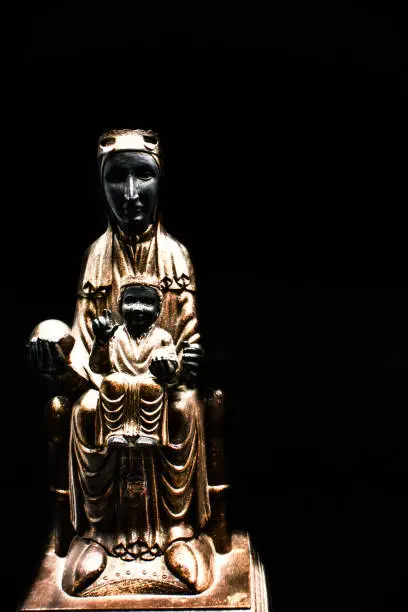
{"points": [[148, 585]]}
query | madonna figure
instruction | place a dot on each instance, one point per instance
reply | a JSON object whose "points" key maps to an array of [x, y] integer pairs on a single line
{"points": [[130, 471], [133, 502]]}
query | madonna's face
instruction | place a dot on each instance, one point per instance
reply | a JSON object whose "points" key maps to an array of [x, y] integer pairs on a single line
{"points": [[130, 181]]}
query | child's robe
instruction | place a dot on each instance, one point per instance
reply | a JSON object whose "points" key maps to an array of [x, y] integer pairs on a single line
{"points": [[131, 401]]}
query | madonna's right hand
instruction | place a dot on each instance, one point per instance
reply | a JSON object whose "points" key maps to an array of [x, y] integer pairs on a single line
{"points": [[46, 357]]}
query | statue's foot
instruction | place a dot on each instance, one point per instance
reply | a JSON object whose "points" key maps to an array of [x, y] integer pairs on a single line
{"points": [[192, 562], [146, 441], [117, 442], [85, 562]]}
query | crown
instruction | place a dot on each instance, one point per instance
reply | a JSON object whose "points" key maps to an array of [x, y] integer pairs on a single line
{"points": [[130, 140]]}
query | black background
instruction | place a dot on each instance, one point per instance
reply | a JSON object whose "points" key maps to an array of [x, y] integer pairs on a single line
{"points": [[285, 176]]}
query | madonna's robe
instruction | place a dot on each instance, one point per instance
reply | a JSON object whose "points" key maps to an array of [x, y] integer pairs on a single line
{"points": [[137, 503]]}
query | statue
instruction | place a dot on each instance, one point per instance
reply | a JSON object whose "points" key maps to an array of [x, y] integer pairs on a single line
{"points": [[134, 517]]}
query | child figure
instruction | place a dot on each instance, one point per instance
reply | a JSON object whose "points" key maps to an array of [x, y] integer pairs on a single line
{"points": [[137, 358]]}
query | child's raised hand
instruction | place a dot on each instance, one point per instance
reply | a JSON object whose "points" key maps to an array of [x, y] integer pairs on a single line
{"points": [[104, 326]]}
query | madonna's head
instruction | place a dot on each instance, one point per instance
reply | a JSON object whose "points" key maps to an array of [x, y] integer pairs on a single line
{"points": [[130, 169]]}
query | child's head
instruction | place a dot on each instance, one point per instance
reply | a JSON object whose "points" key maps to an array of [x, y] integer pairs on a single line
{"points": [[140, 303]]}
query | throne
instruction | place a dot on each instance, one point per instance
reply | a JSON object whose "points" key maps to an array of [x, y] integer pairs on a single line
{"points": [[239, 581]]}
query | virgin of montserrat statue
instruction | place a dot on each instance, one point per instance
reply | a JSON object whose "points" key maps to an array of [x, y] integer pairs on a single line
{"points": [[138, 472]]}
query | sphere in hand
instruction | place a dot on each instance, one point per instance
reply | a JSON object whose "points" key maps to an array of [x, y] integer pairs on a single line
{"points": [[54, 330]]}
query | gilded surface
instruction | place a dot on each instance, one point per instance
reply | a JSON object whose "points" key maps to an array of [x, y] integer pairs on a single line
{"points": [[134, 519]]}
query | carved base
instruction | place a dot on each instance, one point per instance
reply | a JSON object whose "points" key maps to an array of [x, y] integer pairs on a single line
{"points": [[147, 585]]}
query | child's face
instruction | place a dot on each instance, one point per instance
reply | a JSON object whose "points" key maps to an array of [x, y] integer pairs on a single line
{"points": [[140, 307]]}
